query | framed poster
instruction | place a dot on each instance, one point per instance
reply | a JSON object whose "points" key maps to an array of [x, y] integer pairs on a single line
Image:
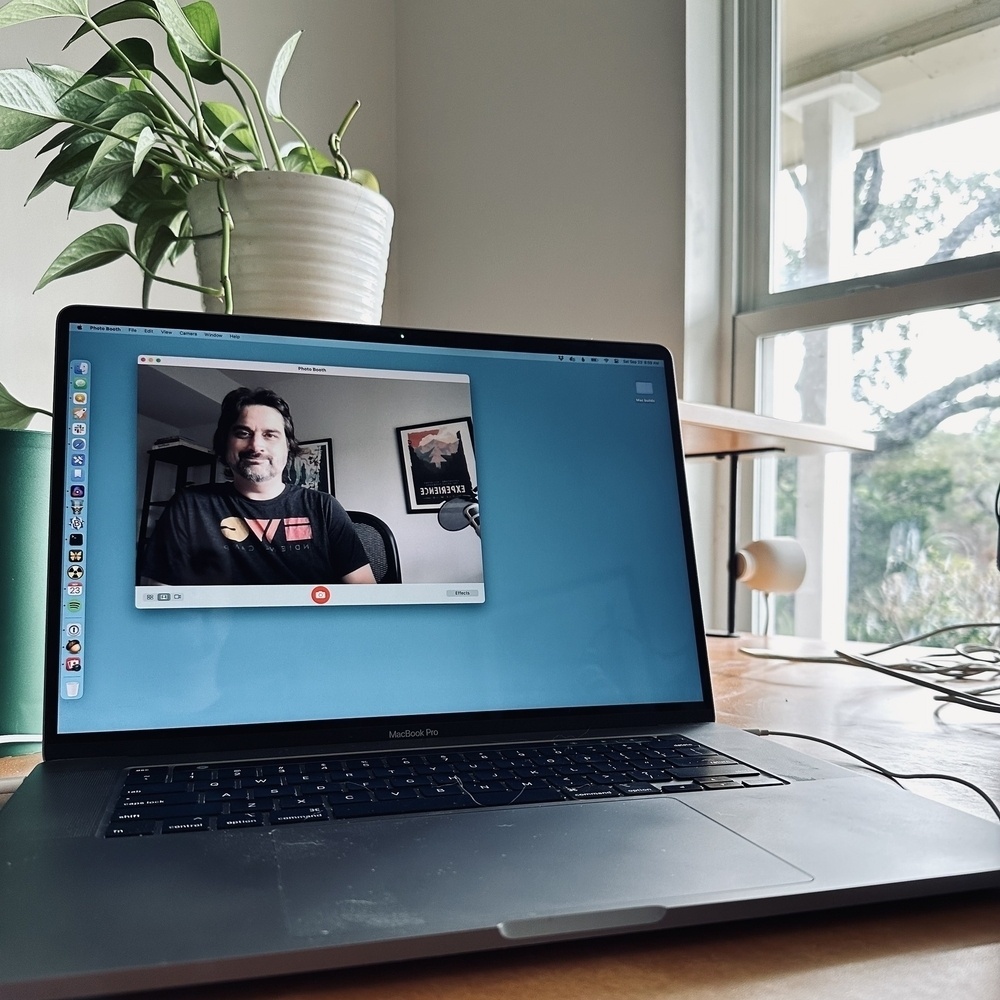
{"points": [[438, 462], [313, 466]]}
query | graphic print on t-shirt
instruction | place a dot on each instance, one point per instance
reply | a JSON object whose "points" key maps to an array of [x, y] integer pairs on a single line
{"points": [[238, 529]]}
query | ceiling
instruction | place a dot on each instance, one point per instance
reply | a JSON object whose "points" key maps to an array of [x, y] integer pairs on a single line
{"points": [[931, 61]]}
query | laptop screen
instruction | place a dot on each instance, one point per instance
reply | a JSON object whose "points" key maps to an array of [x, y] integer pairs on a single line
{"points": [[266, 523]]}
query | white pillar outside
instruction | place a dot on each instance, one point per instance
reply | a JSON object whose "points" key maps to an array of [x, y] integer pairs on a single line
{"points": [[827, 109]]}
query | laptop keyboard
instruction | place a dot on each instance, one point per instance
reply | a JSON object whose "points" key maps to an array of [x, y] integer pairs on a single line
{"points": [[184, 798]]}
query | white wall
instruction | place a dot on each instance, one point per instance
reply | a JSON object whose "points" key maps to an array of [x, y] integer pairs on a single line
{"points": [[541, 155], [533, 150]]}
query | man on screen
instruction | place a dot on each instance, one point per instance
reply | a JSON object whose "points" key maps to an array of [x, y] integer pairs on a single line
{"points": [[259, 529]]}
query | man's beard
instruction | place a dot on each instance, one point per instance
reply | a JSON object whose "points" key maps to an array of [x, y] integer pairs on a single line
{"points": [[254, 473]]}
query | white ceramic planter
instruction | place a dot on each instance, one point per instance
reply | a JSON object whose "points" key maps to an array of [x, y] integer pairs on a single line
{"points": [[303, 246]]}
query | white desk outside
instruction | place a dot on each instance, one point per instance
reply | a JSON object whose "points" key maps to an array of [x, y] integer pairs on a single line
{"points": [[722, 433]]}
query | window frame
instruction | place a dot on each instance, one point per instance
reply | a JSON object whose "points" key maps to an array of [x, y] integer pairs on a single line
{"points": [[759, 312]]}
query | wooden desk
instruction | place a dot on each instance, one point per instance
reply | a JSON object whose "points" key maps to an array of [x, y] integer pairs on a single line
{"points": [[913, 951]]}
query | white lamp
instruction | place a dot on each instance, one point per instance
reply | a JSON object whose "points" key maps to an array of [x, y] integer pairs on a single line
{"points": [[772, 566]]}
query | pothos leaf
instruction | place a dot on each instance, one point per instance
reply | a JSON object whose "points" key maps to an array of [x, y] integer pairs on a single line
{"points": [[126, 128], [127, 10], [162, 242], [136, 51], [145, 142], [184, 35], [27, 107], [14, 414], [298, 159], [205, 21], [25, 91], [95, 248], [17, 127], [104, 185], [68, 166], [366, 179], [229, 125], [273, 99], [19, 11]]}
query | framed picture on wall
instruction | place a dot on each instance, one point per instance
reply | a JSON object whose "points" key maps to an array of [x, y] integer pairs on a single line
{"points": [[438, 463], [313, 466]]}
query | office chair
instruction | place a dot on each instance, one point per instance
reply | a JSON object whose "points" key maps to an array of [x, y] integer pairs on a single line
{"points": [[380, 544]]}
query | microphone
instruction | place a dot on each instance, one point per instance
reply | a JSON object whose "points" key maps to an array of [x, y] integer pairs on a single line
{"points": [[458, 513]]}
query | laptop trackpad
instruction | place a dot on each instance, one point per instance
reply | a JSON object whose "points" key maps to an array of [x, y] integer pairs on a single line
{"points": [[525, 871]]}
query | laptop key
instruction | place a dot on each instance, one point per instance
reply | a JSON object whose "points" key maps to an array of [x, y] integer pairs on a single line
{"points": [[395, 794], [192, 824], [637, 788], [132, 801], [680, 786], [651, 775], [534, 793], [730, 771], [377, 807], [180, 810], [136, 789], [311, 814], [494, 798], [132, 828], [592, 792], [236, 820]]}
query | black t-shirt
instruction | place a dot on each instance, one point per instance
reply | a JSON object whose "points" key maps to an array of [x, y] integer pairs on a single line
{"points": [[213, 535]]}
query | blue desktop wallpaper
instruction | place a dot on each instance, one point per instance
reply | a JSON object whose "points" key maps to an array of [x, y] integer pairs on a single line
{"points": [[588, 601]]}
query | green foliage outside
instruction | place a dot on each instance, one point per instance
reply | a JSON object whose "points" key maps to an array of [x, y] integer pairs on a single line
{"points": [[920, 539]]}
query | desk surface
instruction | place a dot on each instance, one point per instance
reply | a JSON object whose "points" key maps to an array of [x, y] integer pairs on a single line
{"points": [[917, 950]]}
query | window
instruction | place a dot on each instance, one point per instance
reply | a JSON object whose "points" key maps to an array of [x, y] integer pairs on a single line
{"points": [[870, 250]]}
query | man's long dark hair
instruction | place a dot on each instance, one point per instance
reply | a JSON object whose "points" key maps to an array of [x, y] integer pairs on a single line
{"points": [[234, 404]]}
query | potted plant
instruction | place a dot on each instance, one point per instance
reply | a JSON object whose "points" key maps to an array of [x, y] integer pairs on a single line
{"points": [[24, 457], [282, 229]]}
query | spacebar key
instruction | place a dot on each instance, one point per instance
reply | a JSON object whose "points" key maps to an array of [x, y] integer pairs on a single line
{"points": [[398, 807]]}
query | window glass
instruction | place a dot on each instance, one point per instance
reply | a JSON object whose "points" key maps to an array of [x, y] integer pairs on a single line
{"points": [[922, 549], [885, 146]]}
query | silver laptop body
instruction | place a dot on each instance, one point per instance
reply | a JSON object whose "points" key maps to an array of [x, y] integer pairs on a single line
{"points": [[533, 492]]}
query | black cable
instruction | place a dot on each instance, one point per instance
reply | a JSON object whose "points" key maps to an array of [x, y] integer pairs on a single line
{"points": [[893, 776], [996, 511], [944, 694], [911, 671], [835, 746]]}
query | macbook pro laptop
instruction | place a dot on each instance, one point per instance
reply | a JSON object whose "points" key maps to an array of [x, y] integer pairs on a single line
{"points": [[440, 686]]}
